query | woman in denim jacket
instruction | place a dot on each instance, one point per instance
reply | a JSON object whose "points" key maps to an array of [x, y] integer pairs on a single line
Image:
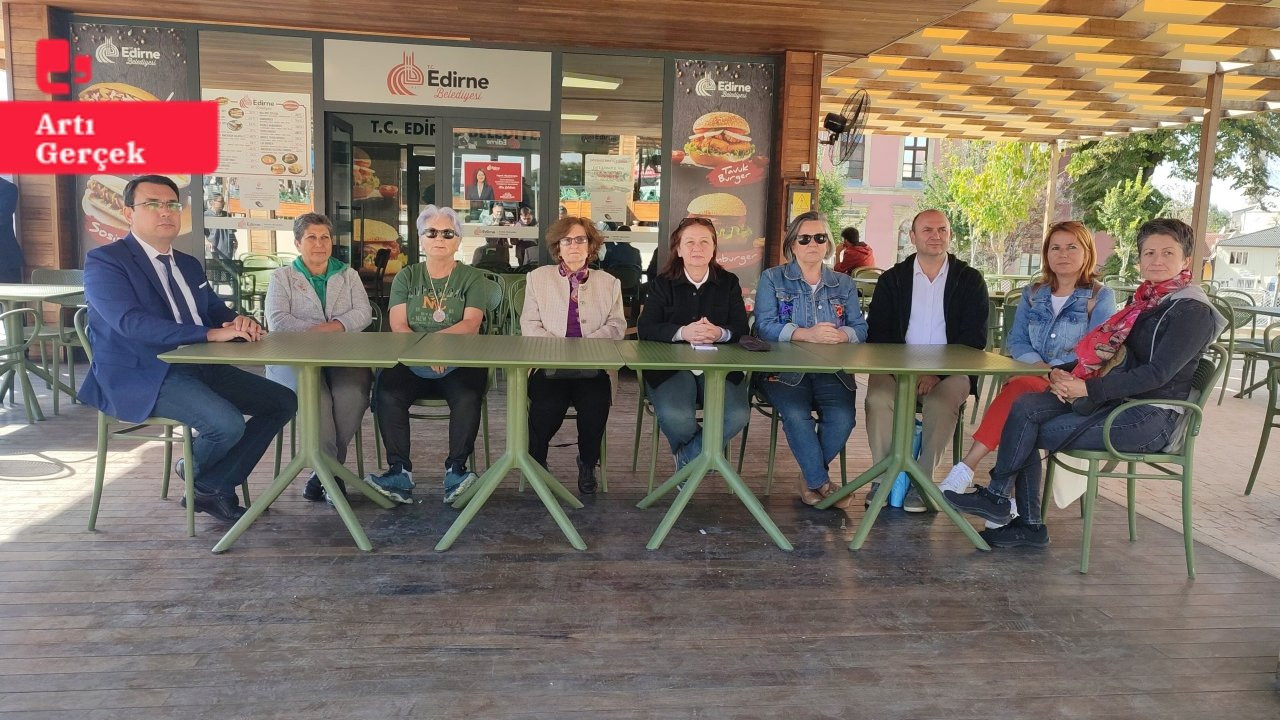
{"points": [[1052, 316], [806, 301]]}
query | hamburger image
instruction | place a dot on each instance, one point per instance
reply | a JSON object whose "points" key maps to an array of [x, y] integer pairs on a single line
{"points": [[728, 213], [103, 206], [378, 235], [364, 181], [719, 138], [113, 91]]}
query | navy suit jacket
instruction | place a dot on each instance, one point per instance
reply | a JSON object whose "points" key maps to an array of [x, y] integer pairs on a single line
{"points": [[131, 321]]}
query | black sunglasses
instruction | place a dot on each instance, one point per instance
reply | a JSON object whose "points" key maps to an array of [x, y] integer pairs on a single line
{"points": [[448, 234], [820, 238]]}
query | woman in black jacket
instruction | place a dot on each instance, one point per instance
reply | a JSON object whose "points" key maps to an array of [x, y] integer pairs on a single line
{"points": [[696, 301], [1154, 343]]}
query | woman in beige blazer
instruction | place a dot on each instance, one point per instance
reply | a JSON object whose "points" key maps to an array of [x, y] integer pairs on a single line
{"points": [[570, 300]]}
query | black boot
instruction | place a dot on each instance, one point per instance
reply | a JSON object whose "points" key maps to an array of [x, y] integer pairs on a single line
{"points": [[586, 478]]}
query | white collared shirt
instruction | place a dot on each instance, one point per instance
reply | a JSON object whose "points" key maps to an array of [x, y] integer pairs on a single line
{"points": [[187, 295], [928, 322]]}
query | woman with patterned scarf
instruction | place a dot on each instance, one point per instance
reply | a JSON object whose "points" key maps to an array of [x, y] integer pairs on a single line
{"points": [[1148, 349], [568, 300]]}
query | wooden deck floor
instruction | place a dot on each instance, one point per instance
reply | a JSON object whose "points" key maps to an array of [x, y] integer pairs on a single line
{"points": [[139, 621]]}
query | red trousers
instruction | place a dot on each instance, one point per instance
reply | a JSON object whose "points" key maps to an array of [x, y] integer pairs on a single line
{"points": [[988, 432]]}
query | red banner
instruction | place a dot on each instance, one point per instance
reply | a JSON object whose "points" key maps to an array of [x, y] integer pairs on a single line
{"points": [[130, 138]]}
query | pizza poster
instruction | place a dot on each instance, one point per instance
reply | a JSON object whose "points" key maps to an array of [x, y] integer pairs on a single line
{"points": [[130, 63], [721, 143], [263, 133], [493, 181]]}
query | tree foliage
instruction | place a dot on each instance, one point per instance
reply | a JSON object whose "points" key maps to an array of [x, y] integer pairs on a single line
{"points": [[990, 191], [831, 197], [1245, 148], [1122, 211]]}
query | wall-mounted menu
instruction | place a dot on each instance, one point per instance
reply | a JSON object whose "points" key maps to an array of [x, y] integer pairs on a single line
{"points": [[263, 133]]}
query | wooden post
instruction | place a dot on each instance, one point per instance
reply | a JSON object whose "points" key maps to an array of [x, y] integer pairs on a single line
{"points": [[1204, 170], [1051, 189]]}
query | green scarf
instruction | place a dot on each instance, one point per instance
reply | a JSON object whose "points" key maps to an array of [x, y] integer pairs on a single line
{"points": [[320, 282]]}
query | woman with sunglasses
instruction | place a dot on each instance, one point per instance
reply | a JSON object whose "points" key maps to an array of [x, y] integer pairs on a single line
{"points": [[440, 295], [569, 300], [696, 301], [806, 301]]}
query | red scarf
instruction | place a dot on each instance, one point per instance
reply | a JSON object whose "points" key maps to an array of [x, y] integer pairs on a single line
{"points": [[1101, 344]]}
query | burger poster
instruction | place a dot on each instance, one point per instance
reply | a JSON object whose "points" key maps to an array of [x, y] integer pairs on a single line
{"points": [[721, 145], [130, 63]]}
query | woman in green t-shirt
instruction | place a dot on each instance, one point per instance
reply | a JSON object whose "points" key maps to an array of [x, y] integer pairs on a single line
{"points": [[441, 295]]}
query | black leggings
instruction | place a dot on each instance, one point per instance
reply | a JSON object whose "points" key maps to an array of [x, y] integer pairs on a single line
{"points": [[549, 400], [463, 389]]}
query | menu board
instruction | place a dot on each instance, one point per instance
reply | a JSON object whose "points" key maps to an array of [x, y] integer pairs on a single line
{"points": [[130, 63], [720, 156], [263, 133]]}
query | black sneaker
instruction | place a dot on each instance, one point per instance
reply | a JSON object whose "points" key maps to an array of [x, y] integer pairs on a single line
{"points": [[313, 490], [871, 491], [1017, 534], [981, 502], [586, 478]]}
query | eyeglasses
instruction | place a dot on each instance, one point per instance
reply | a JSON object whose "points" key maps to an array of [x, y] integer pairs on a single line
{"points": [[575, 240], [819, 238], [695, 221], [157, 206], [434, 233]]}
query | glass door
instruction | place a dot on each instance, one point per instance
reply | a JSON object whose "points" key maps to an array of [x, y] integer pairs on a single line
{"points": [[497, 187], [340, 143]]}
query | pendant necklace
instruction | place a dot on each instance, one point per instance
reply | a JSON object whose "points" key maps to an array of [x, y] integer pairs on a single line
{"points": [[439, 315]]}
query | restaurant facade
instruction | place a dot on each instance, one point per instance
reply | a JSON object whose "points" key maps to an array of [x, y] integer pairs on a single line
{"points": [[369, 130]]}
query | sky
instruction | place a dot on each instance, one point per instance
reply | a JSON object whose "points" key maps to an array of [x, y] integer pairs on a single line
{"points": [[1222, 194]]}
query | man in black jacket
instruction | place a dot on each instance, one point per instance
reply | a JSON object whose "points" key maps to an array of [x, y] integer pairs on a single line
{"points": [[930, 298]]}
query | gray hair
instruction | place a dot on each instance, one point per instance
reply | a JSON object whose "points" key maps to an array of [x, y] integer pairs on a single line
{"points": [[430, 212], [306, 220], [1172, 227], [793, 231]]}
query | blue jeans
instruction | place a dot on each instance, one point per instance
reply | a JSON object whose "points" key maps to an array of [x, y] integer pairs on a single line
{"points": [[1042, 421], [676, 402], [813, 447], [213, 400]]}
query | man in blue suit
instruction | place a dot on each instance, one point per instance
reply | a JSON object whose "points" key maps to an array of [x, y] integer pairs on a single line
{"points": [[146, 298]]}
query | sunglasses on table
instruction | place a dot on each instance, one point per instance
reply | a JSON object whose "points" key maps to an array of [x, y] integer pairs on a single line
{"points": [[434, 233], [819, 238], [575, 240]]}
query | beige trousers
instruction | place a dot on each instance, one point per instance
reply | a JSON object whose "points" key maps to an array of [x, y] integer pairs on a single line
{"points": [[941, 411]]}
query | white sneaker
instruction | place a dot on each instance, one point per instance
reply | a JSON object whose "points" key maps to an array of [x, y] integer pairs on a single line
{"points": [[1013, 513], [958, 480]]}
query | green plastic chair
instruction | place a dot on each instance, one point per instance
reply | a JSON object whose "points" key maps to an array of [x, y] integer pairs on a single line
{"points": [[1179, 453], [1273, 411], [997, 338], [60, 339], [167, 436], [13, 355], [1231, 304]]}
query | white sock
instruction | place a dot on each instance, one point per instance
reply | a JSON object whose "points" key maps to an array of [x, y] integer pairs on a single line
{"points": [[958, 479]]}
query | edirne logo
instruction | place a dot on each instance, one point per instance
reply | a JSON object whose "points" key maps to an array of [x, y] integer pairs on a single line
{"points": [[404, 75], [706, 86], [108, 52]]}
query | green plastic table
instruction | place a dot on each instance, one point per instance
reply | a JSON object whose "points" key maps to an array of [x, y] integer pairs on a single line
{"points": [[907, 363], [307, 354], [22, 294], [716, 365], [515, 356]]}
